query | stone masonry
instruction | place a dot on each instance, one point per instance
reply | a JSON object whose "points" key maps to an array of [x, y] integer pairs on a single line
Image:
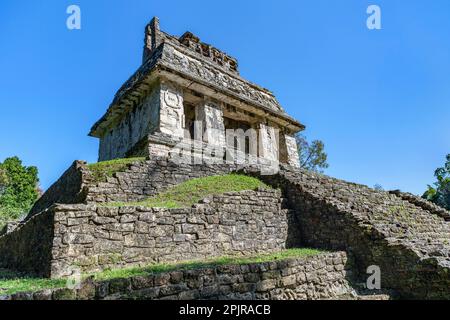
{"points": [[141, 180], [324, 276], [408, 239], [93, 238]]}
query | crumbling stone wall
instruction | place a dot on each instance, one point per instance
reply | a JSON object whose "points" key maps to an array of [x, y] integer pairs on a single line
{"points": [[70, 188], [408, 243], [149, 178], [29, 247], [141, 180], [324, 276], [422, 203]]}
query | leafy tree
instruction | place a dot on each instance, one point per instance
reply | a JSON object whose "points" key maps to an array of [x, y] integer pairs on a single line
{"points": [[312, 155], [440, 192], [18, 189], [3, 181]]}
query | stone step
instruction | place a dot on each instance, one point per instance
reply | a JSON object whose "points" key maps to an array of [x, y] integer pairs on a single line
{"points": [[374, 297], [360, 292], [366, 296]]}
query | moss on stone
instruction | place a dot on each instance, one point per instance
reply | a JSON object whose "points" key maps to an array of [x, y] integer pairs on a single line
{"points": [[11, 283], [106, 169], [192, 191], [201, 264]]}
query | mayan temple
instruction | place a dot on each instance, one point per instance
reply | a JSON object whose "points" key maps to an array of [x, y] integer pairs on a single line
{"points": [[284, 233], [183, 81]]}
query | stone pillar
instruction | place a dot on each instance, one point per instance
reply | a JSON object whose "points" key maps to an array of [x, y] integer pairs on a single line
{"points": [[268, 142], [171, 113], [211, 116], [292, 151], [104, 152]]}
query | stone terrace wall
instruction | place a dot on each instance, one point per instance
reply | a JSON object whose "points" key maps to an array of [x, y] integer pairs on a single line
{"points": [[94, 238], [324, 276], [70, 188], [410, 244], [29, 247], [141, 180], [407, 239], [148, 178]]}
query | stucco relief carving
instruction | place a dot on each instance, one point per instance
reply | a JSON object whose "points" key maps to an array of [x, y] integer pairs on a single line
{"points": [[171, 113], [171, 99], [178, 60]]}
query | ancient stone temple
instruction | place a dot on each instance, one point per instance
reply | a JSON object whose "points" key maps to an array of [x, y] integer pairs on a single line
{"points": [[187, 90], [97, 217]]}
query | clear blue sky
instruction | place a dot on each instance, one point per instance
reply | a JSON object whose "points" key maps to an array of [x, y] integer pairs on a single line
{"points": [[380, 100]]}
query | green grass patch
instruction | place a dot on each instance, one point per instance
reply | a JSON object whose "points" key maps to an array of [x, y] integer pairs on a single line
{"points": [[201, 264], [102, 170], [192, 191], [11, 283]]}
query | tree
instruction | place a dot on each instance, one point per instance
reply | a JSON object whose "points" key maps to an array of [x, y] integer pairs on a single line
{"points": [[312, 155], [378, 187], [3, 181], [18, 189], [440, 192]]}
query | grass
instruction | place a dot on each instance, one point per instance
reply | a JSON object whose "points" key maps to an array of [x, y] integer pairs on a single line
{"points": [[11, 283], [102, 170], [192, 191], [201, 264], [10, 215]]}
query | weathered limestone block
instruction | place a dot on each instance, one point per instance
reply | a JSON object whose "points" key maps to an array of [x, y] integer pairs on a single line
{"points": [[211, 115], [269, 142], [292, 151]]}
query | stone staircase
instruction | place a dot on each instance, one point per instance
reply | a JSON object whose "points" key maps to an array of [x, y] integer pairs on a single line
{"points": [[410, 242]]}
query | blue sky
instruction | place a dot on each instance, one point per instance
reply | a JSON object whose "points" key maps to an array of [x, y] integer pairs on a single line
{"points": [[380, 99]]}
